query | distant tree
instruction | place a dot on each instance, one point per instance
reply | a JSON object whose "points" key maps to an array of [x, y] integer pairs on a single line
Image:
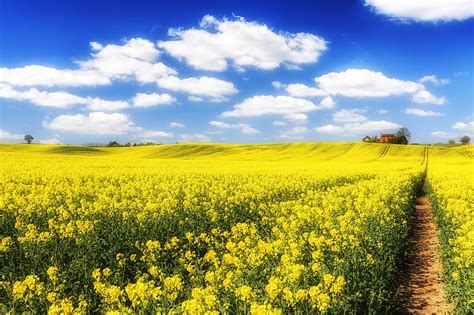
{"points": [[451, 142], [367, 139], [150, 143], [465, 140], [402, 136], [28, 139], [114, 144], [128, 144]]}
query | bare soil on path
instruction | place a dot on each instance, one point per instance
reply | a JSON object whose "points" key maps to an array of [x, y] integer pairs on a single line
{"points": [[420, 283]]}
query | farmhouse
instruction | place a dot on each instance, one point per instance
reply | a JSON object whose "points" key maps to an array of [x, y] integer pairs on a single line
{"points": [[386, 137]]}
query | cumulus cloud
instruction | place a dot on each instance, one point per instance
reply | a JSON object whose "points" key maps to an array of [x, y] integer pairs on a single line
{"points": [[296, 118], [46, 76], [199, 86], [244, 128], [424, 10], [365, 83], [59, 99], [153, 99], [462, 126], [136, 59], [8, 136], [175, 124], [278, 85], [266, 104], [279, 123], [302, 90], [359, 127], [425, 97], [443, 134], [382, 111], [423, 113], [294, 133], [434, 80], [155, 134], [218, 43], [349, 115], [99, 123], [194, 137], [50, 141]]}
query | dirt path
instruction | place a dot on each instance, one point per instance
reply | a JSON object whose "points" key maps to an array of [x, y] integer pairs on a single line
{"points": [[420, 284]]}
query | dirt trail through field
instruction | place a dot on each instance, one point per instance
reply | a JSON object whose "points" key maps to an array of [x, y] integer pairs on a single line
{"points": [[420, 284]]}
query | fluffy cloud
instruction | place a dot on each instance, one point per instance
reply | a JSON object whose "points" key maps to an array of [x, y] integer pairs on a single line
{"points": [[266, 104], [433, 79], [349, 115], [296, 118], [425, 97], [136, 59], [443, 134], [359, 127], [302, 90], [279, 123], [47, 76], [175, 124], [420, 112], [327, 103], [155, 134], [7, 136], [244, 128], [153, 99], [50, 141], [462, 126], [200, 86], [365, 83], [382, 111], [242, 44], [424, 10], [94, 123], [278, 85], [194, 137], [294, 133], [59, 99]]}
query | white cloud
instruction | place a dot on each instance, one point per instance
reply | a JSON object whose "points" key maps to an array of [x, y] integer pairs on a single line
{"points": [[135, 59], [194, 137], [278, 85], [420, 112], [279, 123], [424, 10], [153, 99], [433, 79], [243, 44], [349, 115], [155, 134], [294, 133], [97, 104], [193, 98], [46, 76], [359, 127], [327, 103], [267, 104], [7, 136], [425, 97], [244, 128], [200, 86], [175, 124], [59, 99], [443, 134], [382, 111], [302, 90], [297, 118], [330, 129], [42, 98], [94, 123], [365, 83], [462, 126], [50, 141]]}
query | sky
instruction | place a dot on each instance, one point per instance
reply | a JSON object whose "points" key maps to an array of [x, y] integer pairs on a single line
{"points": [[82, 72]]}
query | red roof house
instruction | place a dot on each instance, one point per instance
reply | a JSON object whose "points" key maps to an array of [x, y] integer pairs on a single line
{"points": [[386, 137]]}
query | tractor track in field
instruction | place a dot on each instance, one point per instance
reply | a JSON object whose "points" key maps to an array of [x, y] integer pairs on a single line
{"points": [[384, 152], [420, 285]]}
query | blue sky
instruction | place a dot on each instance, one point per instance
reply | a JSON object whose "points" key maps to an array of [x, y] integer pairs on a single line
{"points": [[235, 71]]}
